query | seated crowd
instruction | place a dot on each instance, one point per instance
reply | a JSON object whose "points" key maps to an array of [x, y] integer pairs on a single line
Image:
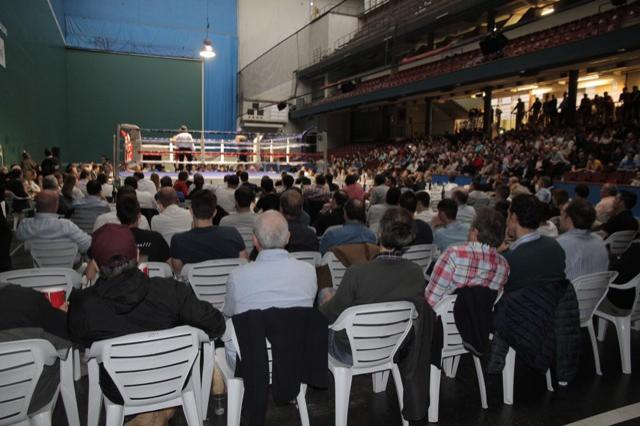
{"points": [[505, 235]]}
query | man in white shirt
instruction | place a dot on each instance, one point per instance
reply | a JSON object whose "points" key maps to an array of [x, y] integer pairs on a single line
{"points": [[172, 218], [145, 199], [244, 217], [145, 184], [423, 208], [274, 280], [606, 205], [466, 213], [184, 143], [112, 217], [46, 224], [226, 194]]}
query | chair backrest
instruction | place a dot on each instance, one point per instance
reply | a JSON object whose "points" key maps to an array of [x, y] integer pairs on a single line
{"points": [[635, 313], [159, 269], [152, 367], [85, 217], [336, 268], [421, 254], [375, 331], [41, 279], [53, 253], [230, 334], [451, 339], [311, 257], [209, 279], [619, 242], [590, 290], [22, 363], [246, 233]]}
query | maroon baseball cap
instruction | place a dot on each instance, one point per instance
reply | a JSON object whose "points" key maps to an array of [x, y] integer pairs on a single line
{"points": [[113, 242]]}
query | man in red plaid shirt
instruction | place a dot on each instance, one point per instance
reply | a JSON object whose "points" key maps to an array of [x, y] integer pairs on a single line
{"points": [[474, 263]]}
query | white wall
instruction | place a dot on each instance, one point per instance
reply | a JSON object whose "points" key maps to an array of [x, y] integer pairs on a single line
{"points": [[264, 23]]}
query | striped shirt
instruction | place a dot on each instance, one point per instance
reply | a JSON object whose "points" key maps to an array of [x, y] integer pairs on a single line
{"points": [[466, 265]]}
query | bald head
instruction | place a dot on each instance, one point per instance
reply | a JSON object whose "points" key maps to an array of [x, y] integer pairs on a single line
{"points": [[271, 230], [167, 196], [47, 201]]}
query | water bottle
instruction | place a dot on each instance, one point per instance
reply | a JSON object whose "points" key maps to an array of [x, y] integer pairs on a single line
{"points": [[218, 404]]}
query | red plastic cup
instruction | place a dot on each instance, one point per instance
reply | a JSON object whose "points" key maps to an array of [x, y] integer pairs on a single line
{"points": [[56, 296]]}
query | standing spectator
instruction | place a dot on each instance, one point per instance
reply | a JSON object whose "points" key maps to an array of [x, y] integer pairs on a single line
{"points": [[519, 111], [205, 241], [533, 259], [50, 164], [585, 253], [474, 263]]}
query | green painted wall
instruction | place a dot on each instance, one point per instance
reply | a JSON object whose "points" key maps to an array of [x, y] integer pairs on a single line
{"points": [[104, 89], [33, 84]]}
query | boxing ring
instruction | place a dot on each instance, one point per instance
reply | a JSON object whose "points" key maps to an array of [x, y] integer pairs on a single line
{"points": [[210, 150]]}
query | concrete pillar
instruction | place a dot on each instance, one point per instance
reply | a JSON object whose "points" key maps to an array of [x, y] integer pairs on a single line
{"points": [[428, 116], [487, 118], [572, 96]]}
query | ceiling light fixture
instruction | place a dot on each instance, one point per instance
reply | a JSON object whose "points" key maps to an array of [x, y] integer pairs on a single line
{"points": [[207, 51]]}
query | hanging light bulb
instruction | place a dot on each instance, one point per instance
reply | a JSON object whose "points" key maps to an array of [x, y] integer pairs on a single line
{"points": [[207, 49]]}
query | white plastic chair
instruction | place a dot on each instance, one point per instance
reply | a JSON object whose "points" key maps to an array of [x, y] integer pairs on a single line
{"points": [[85, 217], [622, 322], [209, 279], [336, 268], [375, 332], [421, 254], [619, 242], [151, 372], [235, 385], [159, 269], [42, 279], [591, 289], [53, 253], [22, 364], [246, 233], [508, 374], [452, 348], [313, 258]]}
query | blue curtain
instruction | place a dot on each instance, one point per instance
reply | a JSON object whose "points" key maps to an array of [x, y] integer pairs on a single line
{"points": [[165, 28]]}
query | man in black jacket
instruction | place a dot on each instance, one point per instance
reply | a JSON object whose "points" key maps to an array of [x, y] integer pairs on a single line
{"points": [[124, 300]]}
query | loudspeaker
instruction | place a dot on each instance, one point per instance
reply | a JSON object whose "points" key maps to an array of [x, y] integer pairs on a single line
{"points": [[347, 86], [493, 43], [282, 105]]}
